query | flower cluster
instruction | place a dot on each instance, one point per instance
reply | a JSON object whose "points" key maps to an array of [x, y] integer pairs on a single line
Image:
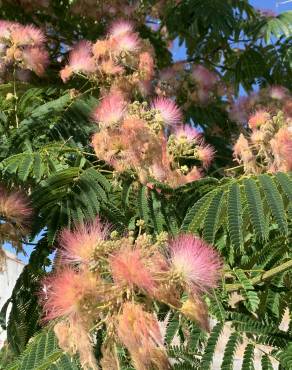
{"points": [[150, 140], [105, 280], [274, 97], [122, 60], [22, 49], [15, 215], [268, 147], [194, 83]]}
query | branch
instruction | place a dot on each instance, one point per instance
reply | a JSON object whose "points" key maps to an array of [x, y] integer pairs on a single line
{"points": [[262, 277]]}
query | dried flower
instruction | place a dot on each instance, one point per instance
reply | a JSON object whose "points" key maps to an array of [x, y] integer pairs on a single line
{"points": [[139, 332]]}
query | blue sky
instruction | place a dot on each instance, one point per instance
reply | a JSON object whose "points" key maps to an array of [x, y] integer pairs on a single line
{"points": [[179, 53]]}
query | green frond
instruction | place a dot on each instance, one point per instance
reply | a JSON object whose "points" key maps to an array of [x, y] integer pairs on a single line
{"points": [[229, 352], [207, 357], [248, 358], [234, 216], [275, 201], [252, 299]]}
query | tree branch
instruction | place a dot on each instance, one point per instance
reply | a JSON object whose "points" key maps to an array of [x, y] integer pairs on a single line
{"points": [[262, 277]]}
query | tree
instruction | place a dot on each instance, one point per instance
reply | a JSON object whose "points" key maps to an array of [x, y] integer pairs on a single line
{"points": [[165, 193]]}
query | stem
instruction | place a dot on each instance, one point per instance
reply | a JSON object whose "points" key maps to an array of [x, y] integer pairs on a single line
{"points": [[15, 98], [264, 276]]}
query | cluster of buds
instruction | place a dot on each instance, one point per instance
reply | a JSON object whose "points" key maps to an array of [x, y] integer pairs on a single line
{"points": [[149, 140], [275, 97], [122, 60], [22, 49], [15, 216], [268, 147], [194, 83], [106, 281]]}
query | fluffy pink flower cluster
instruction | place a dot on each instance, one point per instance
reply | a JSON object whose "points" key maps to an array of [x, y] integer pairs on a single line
{"points": [[104, 279], [193, 82], [268, 148], [149, 140], [15, 216], [22, 49], [122, 60], [274, 97]]}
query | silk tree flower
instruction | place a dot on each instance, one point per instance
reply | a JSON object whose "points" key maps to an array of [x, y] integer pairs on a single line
{"points": [[80, 60], [195, 262], [129, 267], [258, 119], [79, 244], [146, 66], [36, 59], [62, 293], [139, 331], [186, 132], [282, 149], [111, 110], [205, 154], [27, 35], [204, 77], [127, 43], [121, 27], [170, 113], [15, 207], [278, 92]]}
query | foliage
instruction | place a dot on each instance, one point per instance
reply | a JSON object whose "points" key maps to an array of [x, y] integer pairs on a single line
{"points": [[46, 128]]}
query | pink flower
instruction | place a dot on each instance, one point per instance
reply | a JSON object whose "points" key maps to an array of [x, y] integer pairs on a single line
{"points": [[128, 43], [111, 110], [258, 119], [62, 293], [278, 92], [80, 60], [241, 150], [5, 29], [78, 245], [204, 77], [196, 262], [282, 149], [36, 59], [28, 35], [168, 110], [146, 65], [186, 132], [14, 207], [109, 67], [205, 154], [121, 27], [194, 175], [129, 267]]}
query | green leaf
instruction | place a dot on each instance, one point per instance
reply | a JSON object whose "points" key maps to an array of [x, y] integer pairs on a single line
{"points": [[229, 352], [248, 356], [252, 299], [275, 202], [212, 217], [255, 208], [234, 215], [209, 352]]}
